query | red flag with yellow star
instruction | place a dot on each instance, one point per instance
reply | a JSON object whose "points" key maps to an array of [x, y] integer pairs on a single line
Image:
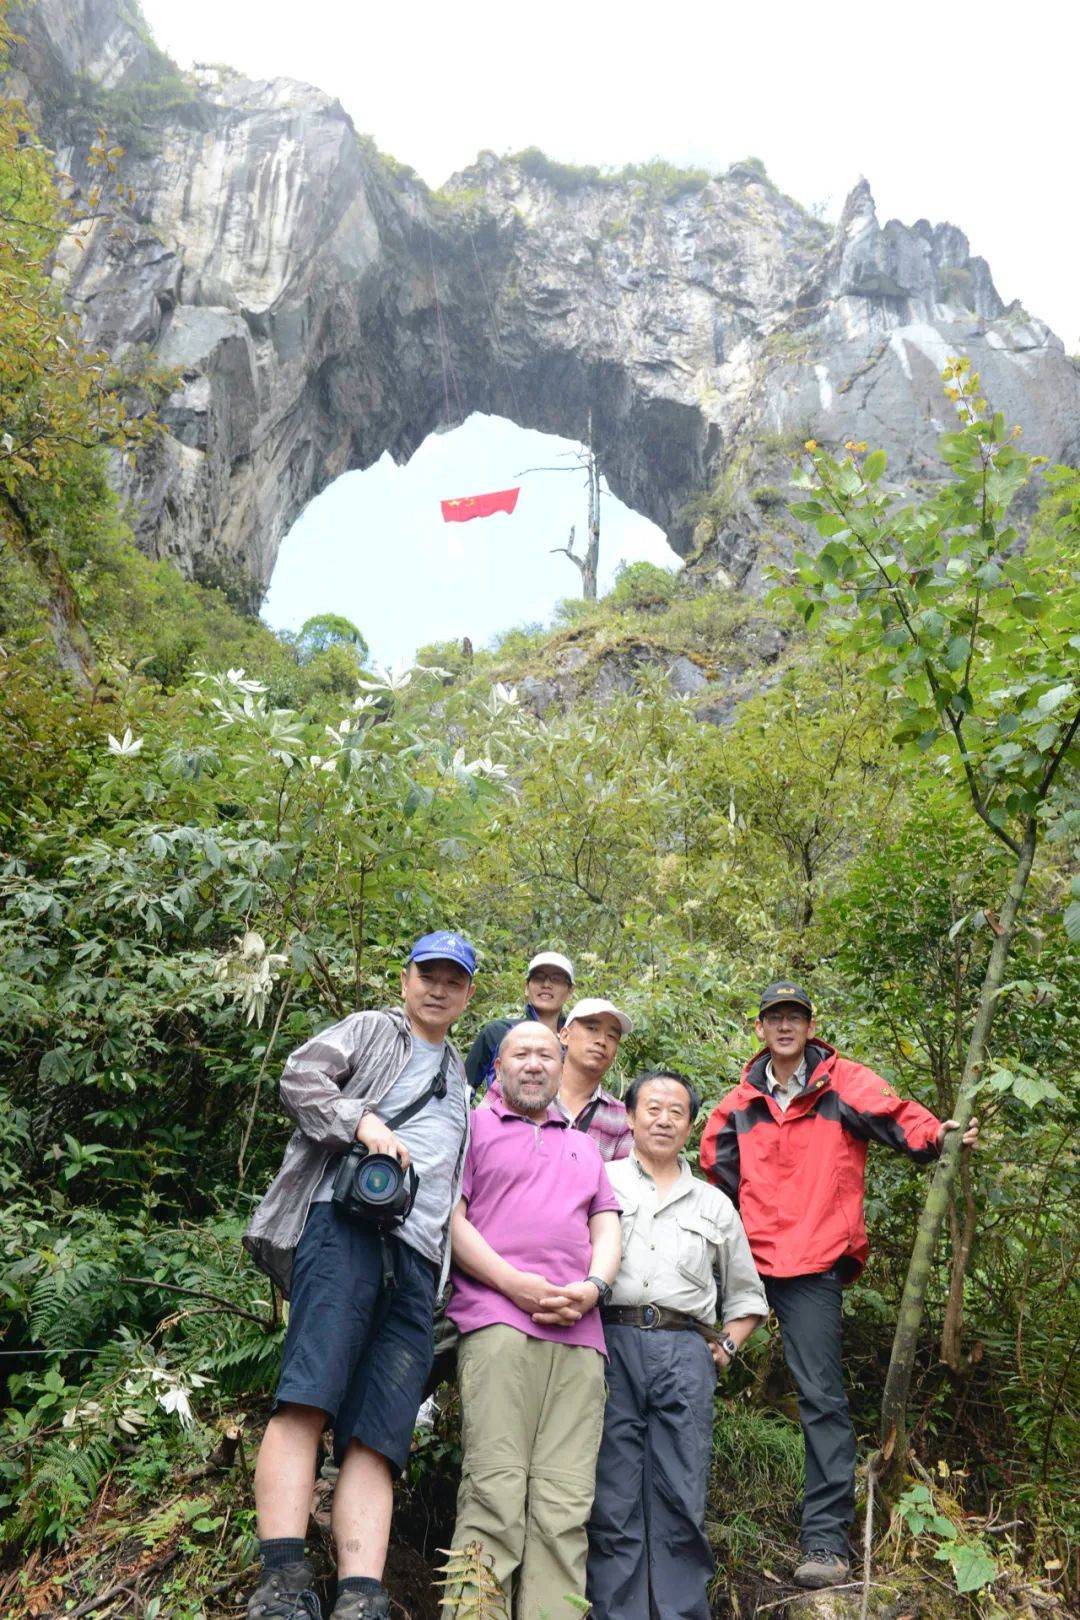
{"points": [[474, 506]]}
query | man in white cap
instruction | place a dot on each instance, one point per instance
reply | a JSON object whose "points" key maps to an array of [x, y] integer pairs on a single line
{"points": [[591, 1037], [549, 980]]}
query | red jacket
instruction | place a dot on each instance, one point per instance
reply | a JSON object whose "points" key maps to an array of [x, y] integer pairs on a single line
{"points": [[796, 1177]]}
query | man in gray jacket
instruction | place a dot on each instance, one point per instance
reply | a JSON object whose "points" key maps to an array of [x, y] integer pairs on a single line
{"points": [[685, 1261], [359, 1343]]}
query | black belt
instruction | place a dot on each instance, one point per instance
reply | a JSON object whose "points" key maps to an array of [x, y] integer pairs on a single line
{"points": [[656, 1316]]}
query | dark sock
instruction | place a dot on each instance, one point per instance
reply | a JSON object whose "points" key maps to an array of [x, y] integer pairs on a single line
{"points": [[364, 1584], [282, 1550]]}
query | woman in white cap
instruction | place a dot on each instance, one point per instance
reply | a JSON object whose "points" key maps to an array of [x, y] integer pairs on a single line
{"points": [[549, 980]]}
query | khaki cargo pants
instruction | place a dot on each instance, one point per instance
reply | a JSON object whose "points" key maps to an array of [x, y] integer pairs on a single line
{"points": [[532, 1416]]}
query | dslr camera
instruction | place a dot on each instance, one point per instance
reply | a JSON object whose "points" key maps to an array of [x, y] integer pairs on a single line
{"points": [[372, 1187]]}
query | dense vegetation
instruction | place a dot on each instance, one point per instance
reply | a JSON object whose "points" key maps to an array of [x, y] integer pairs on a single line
{"points": [[213, 842]]}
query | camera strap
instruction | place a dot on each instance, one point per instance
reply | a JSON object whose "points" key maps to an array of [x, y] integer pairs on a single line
{"points": [[587, 1115], [437, 1088]]}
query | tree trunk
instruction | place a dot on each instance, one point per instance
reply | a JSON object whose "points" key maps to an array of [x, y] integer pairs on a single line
{"points": [[963, 1238], [592, 548], [909, 1321]]}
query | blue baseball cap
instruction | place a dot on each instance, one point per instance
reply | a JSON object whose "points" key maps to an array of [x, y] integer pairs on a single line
{"points": [[444, 947]]}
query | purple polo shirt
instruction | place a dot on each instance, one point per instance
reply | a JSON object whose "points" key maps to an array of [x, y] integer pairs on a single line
{"points": [[531, 1189]]}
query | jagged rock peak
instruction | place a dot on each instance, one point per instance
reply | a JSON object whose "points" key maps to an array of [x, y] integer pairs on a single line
{"points": [[319, 304], [923, 264]]}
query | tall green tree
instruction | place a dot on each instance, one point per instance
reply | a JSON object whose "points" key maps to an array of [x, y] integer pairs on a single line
{"points": [[325, 630], [975, 640]]}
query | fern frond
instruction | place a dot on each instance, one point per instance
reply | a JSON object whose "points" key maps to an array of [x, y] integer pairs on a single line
{"points": [[65, 1481], [468, 1582], [69, 1303]]}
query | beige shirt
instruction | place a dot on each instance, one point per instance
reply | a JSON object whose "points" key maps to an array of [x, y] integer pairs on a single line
{"points": [[784, 1090], [682, 1250]]}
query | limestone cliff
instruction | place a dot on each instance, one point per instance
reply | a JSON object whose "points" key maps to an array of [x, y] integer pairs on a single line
{"points": [[321, 305]]}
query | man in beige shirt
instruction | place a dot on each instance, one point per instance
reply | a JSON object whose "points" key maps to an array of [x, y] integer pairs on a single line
{"points": [[684, 1252]]}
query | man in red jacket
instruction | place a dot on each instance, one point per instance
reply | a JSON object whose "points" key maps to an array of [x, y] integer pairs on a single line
{"points": [[788, 1146]]}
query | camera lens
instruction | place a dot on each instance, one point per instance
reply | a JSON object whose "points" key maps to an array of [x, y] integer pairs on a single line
{"points": [[379, 1180]]}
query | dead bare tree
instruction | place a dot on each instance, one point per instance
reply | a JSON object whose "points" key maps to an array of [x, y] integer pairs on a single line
{"points": [[587, 565]]}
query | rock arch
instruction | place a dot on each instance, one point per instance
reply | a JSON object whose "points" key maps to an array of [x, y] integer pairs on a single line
{"points": [[321, 305]]}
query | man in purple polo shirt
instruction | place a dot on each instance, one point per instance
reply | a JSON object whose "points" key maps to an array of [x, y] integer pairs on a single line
{"points": [[535, 1245]]}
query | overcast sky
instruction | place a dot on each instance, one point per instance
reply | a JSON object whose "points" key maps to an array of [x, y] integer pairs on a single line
{"points": [[951, 112], [374, 547]]}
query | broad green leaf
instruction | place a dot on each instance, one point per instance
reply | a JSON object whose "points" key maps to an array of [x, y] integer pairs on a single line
{"points": [[1027, 1088], [957, 651], [1055, 697], [972, 1565], [1005, 753]]}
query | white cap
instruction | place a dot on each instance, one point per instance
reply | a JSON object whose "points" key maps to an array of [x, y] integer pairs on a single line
{"points": [[551, 959], [592, 1006]]}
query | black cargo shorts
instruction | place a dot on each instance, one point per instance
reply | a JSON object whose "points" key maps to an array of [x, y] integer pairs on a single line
{"points": [[358, 1351]]}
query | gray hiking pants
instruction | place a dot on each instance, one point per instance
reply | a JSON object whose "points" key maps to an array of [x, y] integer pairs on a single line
{"points": [[648, 1552], [808, 1310]]}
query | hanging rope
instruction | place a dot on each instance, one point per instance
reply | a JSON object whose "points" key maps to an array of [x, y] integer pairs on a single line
{"points": [[444, 346], [494, 326]]}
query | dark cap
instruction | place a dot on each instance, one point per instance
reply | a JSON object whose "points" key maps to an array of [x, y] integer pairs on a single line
{"points": [[785, 993]]}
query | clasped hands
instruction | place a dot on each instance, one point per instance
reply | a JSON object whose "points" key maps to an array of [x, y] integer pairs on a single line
{"points": [[551, 1304]]}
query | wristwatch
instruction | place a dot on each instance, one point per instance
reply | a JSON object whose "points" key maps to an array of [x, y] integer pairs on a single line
{"points": [[729, 1347], [603, 1289]]}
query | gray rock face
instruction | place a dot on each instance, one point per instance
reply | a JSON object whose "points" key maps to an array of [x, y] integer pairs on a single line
{"points": [[686, 678], [321, 305], [583, 667]]}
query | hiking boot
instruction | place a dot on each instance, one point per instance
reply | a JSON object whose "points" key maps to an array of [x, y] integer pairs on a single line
{"points": [[822, 1567], [285, 1594], [362, 1606]]}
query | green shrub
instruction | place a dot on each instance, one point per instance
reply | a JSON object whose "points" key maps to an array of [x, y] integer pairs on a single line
{"points": [[642, 585], [519, 642], [560, 176], [768, 497], [705, 623], [657, 180]]}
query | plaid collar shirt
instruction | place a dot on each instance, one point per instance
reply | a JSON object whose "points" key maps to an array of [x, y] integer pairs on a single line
{"points": [[603, 1118]]}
